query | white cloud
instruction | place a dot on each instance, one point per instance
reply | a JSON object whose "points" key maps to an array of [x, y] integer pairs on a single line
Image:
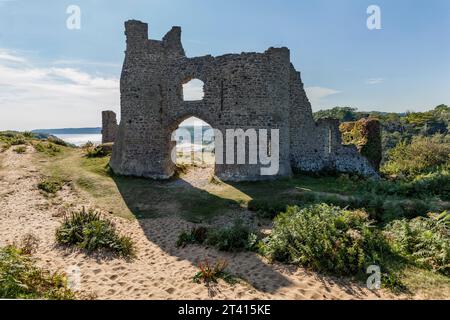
{"points": [[48, 97], [193, 90], [6, 55], [373, 81], [316, 94], [85, 62]]}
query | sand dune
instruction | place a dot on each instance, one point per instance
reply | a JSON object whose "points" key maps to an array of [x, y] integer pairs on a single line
{"points": [[161, 270]]}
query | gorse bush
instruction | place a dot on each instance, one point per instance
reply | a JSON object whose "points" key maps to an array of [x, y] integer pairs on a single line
{"points": [[422, 155], [326, 239], [423, 240], [89, 231], [20, 278], [233, 238]]}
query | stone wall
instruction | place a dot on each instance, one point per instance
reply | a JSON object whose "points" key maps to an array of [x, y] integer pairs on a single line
{"points": [[246, 91], [109, 126], [365, 134]]}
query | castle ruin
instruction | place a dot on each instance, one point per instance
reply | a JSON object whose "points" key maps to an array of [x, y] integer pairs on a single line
{"points": [[246, 91]]}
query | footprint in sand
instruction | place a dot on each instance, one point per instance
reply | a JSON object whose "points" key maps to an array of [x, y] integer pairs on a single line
{"points": [[170, 290]]}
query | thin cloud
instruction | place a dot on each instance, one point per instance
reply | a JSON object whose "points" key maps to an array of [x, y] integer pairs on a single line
{"points": [[32, 96], [84, 63], [373, 81], [6, 55], [316, 94]]}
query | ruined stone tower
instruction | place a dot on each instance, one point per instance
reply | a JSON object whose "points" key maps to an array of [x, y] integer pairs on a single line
{"points": [[247, 91], [109, 126]]}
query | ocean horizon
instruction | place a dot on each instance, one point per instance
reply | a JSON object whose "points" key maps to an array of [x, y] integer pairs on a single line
{"points": [[80, 139]]}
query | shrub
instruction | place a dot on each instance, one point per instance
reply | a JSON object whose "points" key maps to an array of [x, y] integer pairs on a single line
{"points": [[422, 155], [16, 141], [423, 240], [20, 278], [325, 238], [376, 205], [20, 150], [100, 151], [430, 184], [88, 145], [29, 243], [57, 141], [211, 273], [51, 185], [47, 148], [196, 235], [234, 238], [28, 134], [89, 231]]}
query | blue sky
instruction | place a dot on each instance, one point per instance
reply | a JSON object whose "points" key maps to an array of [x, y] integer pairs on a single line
{"points": [[51, 76]]}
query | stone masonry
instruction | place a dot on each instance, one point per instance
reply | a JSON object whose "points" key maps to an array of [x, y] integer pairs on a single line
{"points": [[246, 91], [109, 126]]}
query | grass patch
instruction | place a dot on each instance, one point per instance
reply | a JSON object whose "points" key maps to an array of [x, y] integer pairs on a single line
{"points": [[50, 185], [20, 150], [90, 231], [47, 148], [20, 278]]}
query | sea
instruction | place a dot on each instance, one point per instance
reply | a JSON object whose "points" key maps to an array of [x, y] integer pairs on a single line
{"points": [[194, 144], [80, 139]]}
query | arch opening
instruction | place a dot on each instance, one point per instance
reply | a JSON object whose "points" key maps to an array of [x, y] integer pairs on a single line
{"points": [[193, 90], [195, 146]]}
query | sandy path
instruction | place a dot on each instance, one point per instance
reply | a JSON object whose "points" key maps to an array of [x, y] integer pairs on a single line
{"points": [[161, 271]]}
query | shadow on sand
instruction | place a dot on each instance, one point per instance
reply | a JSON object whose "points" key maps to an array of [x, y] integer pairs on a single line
{"points": [[146, 200]]}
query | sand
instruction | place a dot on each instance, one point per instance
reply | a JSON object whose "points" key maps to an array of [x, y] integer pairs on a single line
{"points": [[161, 270]]}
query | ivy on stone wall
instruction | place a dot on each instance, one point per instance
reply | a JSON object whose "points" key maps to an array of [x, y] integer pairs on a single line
{"points": [[366, 135]]}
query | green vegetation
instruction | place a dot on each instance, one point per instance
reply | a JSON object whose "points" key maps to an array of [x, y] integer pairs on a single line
{"points": [[365, 135], [50, 185], [11, 138], [211, 273], [20, 150], [326, 239], [397, 127], [47, 148], [99, 151], [424, 240], [422, 155], [20, 278], [41, 142], [236, 237], [90, 231], [336, 224]]}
